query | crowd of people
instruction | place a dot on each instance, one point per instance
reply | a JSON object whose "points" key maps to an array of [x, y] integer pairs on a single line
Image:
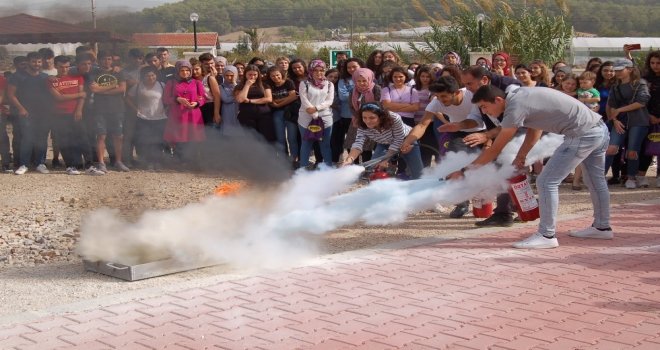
{"points": [[144, 112]]}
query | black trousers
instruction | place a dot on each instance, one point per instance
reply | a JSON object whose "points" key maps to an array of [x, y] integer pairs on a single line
{"points": [[262, 123], [149, 142], [339, 130], [71, 135], [9, 147]]}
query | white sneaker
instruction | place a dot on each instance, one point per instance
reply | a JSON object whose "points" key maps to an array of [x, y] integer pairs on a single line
{"points": [[21, 170], [42, 169], [631, 184], [121, 167], [592, 232], [93, 171], [102, 168], [72, 171], [537, 241], [642, 181]]}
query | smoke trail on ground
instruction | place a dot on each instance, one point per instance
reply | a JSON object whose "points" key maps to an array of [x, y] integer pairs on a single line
{"points": [[278, 226]]}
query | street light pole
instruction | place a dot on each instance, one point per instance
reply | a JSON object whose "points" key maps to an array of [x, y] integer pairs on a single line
{"points": [[194, 17], [96, 44], [480, 18]]}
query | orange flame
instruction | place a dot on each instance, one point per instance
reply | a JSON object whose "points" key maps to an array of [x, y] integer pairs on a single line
{"points": [[229, 188]]}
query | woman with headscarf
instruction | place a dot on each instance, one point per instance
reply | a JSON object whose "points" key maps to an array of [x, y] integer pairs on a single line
{"points": [[452, 57], [502, 64], [183, 97], [228, 105], [220, 64], [365, 90], [484, 62], [436, 67], [316, 97]]}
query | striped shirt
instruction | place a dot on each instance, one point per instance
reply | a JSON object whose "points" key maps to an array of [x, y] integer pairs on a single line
{"points": [[393, 137]]}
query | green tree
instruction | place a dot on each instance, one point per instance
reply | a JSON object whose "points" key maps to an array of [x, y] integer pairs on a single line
{"points": [[255, 38], [528, 35], [362, 48], [243, 46], [324, 54]]}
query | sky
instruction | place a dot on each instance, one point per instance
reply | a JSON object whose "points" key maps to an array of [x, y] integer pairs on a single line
{"points": [[57, 7]]}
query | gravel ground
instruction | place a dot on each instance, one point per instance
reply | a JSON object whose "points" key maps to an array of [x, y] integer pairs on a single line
{"points": [[40, 217]]}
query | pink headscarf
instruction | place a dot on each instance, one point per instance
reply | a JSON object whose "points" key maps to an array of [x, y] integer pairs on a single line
{"points": [[507, 66], [318, 83], [368, 93]]}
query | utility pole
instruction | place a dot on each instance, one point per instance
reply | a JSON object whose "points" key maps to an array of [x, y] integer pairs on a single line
{"points": [[96, 45], [351, 43]]}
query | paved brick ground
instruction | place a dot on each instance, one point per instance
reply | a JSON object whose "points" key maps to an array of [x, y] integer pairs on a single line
{"points": [[465, 294]]}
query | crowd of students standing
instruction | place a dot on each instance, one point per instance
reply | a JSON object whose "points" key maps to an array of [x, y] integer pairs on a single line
{"points": [[146, 110]]}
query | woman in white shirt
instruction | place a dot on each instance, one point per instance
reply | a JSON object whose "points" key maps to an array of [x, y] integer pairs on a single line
{"points": [[316, 96], [146, 99]]}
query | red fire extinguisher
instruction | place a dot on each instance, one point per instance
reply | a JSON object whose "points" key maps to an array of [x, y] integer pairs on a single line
{"points": [[523, 197], [482, 208]]}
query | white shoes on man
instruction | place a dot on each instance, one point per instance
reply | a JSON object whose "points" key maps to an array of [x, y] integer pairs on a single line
{"points": [[538, 241], [592, 232]]}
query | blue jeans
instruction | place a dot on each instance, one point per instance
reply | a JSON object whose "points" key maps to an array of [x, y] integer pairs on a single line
{"points": [[413, 158], [636, 136], [34, 139], [292, 139], [588, 151], [306, 147], [278, 121]]}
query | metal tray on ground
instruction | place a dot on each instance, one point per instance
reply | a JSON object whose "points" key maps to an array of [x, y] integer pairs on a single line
{"points": [[147, 270]]}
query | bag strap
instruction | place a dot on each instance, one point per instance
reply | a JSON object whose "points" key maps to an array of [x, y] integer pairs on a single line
{"points": [[137, 95], [634, 94]]}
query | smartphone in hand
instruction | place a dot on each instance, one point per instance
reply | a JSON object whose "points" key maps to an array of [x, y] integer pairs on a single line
{"points": [[632, 47]]}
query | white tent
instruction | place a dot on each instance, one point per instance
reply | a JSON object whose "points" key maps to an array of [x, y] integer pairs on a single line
{"points": [[606, 48]]}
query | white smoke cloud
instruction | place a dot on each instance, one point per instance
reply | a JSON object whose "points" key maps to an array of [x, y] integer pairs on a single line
{"points": [[277, 226]]}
